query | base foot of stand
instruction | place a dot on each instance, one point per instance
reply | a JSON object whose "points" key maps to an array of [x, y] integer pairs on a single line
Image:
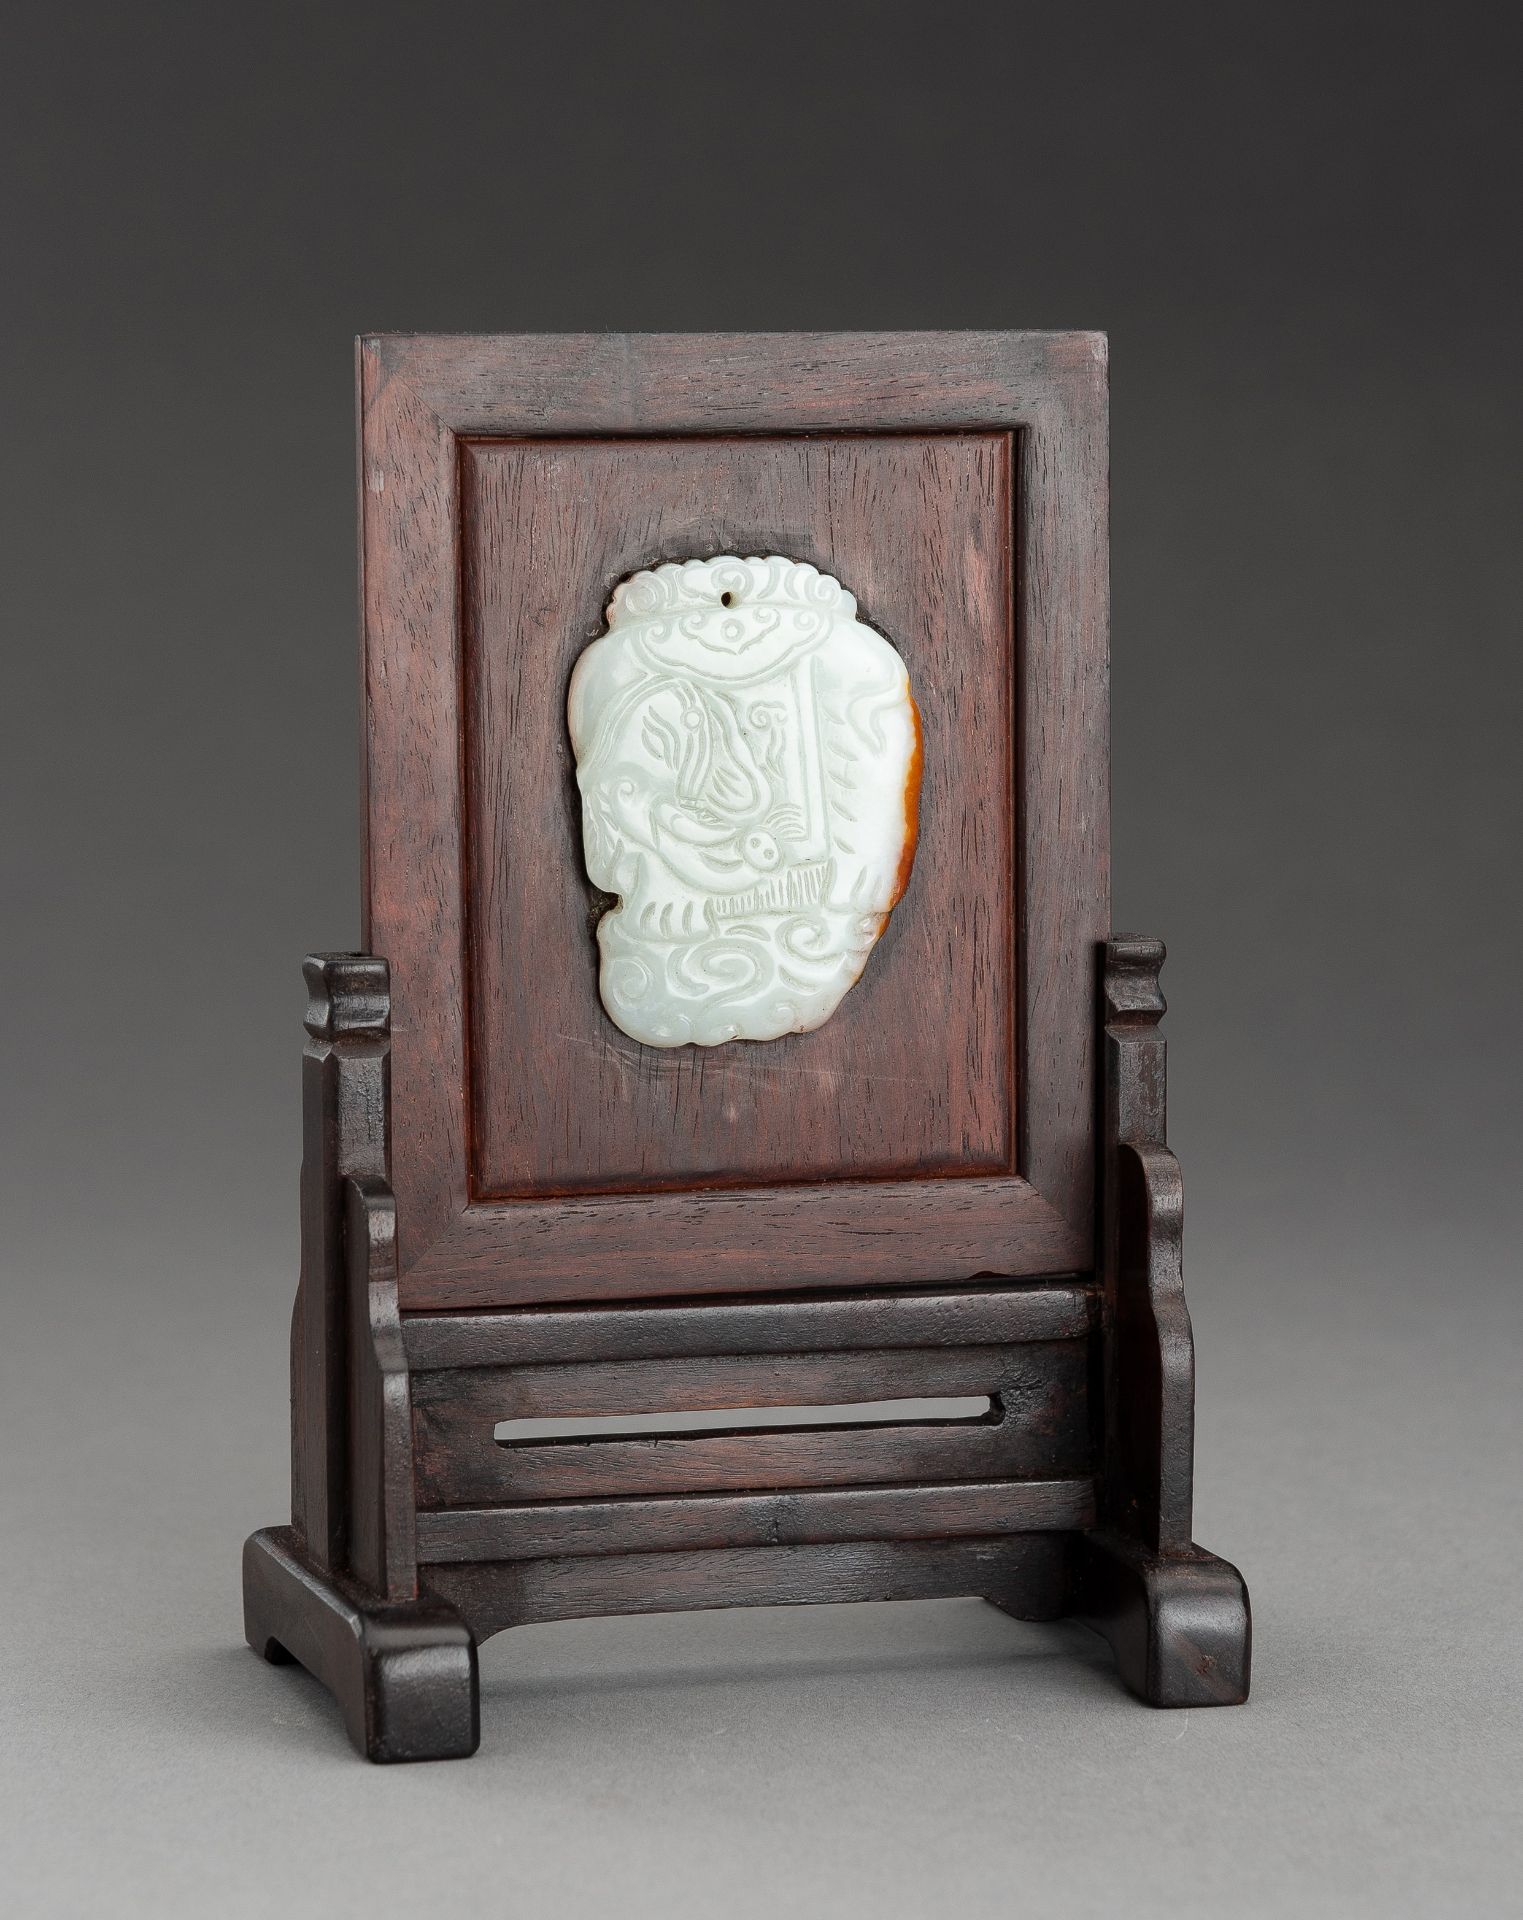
{"points": [[1179, 1627], [403, 1673]]}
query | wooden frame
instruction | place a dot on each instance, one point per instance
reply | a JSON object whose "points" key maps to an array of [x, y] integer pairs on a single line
{"points": [[422, 400], [1049, 1291]]}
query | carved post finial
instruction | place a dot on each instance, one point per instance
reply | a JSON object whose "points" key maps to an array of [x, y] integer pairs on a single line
{"points": [[1132, 992], [347, 993]]}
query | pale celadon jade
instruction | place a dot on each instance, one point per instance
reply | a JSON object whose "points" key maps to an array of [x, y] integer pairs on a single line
{"points": [[748, 754]]}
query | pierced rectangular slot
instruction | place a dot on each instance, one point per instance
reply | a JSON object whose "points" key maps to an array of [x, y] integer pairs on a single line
{"points": [[965, 1409]]}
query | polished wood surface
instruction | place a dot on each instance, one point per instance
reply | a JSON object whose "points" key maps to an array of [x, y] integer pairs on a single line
{"points": [[1038, 1426], [736, 418], [445, 1535], [675, 1329], [345, 1109], [1026, 1574], [978, 1508], [425, 1319], [914, 1074], [403, 1672]]}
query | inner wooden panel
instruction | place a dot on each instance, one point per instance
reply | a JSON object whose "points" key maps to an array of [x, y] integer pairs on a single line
{"points": [[914, 1074]]}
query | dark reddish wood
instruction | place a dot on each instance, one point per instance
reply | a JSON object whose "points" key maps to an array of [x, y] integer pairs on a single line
{"points": [[839, 1233], [562, 1101], [403, 1672], [922, 1452], [1025, 1574], [344, 1123], [816, 1517], [1176, 1616], [382, 1523], [1149, 1349], [1041, 1426], [1179, 1624], [707, 1462], [1153, 1467], [697, 1384], [423, 399], [422, 1322], [987, 1315]]}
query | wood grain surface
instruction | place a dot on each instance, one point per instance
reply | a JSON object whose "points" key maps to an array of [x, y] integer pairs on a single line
{"points": [[1039, 1424], [943, 1205], [914, 1073], [1025, 1573], [510, 1212], [985, 1315], [548, 1530], [345, 1121]]}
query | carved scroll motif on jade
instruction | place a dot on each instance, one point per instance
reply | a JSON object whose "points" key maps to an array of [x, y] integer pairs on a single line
{"points": [[748, 754]]}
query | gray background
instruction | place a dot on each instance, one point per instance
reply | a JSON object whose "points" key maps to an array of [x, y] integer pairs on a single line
{"points": [[1298, 230]]}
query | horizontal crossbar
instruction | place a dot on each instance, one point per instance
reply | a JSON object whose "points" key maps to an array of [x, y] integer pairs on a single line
{"points": [[574, 1528], [994, 1313]]}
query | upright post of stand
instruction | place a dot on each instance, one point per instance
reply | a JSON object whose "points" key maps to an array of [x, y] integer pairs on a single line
{"points": [[1176, 1616], [345, 1073], [337, 1589]]}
